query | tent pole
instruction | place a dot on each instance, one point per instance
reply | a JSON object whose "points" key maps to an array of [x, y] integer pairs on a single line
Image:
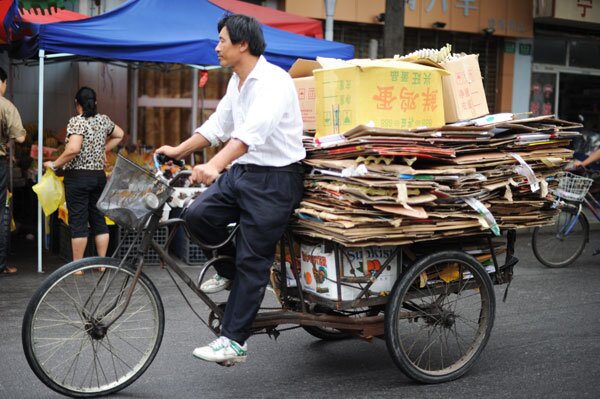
{"points": [[41, 55], [135, 81], [194, 117]]}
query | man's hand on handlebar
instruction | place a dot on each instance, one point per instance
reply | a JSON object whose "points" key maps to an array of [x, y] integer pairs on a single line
{"points": [[204, 173], [169, 151]]}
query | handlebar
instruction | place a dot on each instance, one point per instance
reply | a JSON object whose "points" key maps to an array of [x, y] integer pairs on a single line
{"points": [[161, 159]]}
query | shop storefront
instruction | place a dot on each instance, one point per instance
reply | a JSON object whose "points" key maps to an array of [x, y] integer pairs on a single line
{"points": [[481, 27], [565, 77]]}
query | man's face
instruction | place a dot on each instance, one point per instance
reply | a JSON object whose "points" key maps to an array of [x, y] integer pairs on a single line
{"points": [[3, 87], [228, 53]]}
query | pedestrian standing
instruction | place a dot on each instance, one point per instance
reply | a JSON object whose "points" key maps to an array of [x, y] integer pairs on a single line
{"points": [[11, 127], [89, 136]]}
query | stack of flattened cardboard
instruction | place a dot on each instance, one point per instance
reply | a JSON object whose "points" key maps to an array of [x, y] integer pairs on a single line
{"points": [[373, 186]]}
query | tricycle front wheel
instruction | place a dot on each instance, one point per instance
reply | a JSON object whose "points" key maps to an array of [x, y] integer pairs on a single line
{"points": [[439, 316], [68, 337]]}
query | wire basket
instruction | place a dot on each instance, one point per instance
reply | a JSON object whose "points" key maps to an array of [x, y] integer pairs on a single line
{"points": [[572, 187], [132, 194]]}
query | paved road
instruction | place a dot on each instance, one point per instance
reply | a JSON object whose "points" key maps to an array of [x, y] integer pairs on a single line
{"points": [[545, 344]]}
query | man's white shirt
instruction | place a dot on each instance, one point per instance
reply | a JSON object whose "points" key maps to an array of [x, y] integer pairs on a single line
{"points": [[264, 114]]}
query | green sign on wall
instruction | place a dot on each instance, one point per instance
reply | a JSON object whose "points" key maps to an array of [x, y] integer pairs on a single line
{"points": [[525, 48], [509, 47]]}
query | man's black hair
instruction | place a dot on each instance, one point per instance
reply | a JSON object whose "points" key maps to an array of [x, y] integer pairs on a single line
{"points": [[3, 75], [243, 28]]}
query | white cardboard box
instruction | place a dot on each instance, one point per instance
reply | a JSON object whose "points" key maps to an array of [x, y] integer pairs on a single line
{"points": [[318, 271], [301, 72], [464, 95]]}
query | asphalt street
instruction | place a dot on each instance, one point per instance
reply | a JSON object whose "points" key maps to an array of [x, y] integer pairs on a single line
{"points": [[545, 344]]}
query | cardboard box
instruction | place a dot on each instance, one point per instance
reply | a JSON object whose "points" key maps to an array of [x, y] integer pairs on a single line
{"points": [[302, 74], [464, 95], [319, 275], [383, 93]]}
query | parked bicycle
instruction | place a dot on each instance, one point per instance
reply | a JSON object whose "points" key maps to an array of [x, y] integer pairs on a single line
{"points": [[561, 243], [95, 334]]}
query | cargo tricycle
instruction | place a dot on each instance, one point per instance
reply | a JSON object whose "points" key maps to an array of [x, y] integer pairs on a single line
{"points": [[432, 302]]}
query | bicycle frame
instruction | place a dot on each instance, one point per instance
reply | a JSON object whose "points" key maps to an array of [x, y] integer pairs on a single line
{"points": [[591, 203]]}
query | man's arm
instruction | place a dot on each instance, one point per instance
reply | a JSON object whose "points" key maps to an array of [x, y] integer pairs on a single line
{"points": [[194, 143], [15, 125], [593, 157]]}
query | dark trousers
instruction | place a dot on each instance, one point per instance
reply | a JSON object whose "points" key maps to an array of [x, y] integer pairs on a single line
{"points": [[4, 213], [82, 191], [261, 201]]}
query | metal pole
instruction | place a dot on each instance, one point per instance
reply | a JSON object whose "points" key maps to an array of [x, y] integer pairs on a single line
{"points": [[134, 104], [41, 55], [329, 12], [194, 118]]}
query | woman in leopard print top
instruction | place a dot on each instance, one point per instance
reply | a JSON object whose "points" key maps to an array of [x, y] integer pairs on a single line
{"points": [[89, 136]]}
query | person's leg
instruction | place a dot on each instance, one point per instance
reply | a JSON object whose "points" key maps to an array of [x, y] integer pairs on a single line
{"points": [[78, 245], [267, 201], [77, 205], [4, 232], [208, 216], [101, 241]]}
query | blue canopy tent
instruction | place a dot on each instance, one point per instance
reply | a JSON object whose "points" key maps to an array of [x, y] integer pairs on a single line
{"points": [[173, 31], [169, 31]]}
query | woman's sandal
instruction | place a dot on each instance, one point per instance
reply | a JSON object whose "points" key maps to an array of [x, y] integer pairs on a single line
{"points": [[98, 269], [9, 270]]}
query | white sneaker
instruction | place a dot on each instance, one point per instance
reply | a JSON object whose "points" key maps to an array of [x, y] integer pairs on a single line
{"points": [[222, 350], [215, 284]]}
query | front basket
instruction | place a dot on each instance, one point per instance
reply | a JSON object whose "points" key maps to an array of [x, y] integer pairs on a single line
{"points": [[131, 194]]}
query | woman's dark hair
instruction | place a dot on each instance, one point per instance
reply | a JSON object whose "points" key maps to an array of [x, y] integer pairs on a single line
{"points": [[86, 97], [243, 28]]}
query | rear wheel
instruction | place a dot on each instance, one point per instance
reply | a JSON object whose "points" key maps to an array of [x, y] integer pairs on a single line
{"points": [[440, 316], [66, 337], [561, 243]]}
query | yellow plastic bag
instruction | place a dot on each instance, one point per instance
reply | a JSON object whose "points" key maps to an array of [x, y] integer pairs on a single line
{"points": [[50, 192]]}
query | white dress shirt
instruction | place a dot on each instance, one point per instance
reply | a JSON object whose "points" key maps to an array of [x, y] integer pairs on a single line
{"points": [[264, 114]]}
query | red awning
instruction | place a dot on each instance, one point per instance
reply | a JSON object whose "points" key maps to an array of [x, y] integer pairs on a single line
{"points": [[38, 16], [275, 18]]}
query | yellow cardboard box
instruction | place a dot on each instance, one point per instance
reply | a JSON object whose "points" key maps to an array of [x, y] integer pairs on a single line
{"points": [[302, 74], [464, 95], [387, 93]]}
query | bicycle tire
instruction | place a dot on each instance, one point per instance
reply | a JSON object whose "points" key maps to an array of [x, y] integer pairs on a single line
{"points": [[555, 250], [438, 306], [63, 337], [327, 334]]}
